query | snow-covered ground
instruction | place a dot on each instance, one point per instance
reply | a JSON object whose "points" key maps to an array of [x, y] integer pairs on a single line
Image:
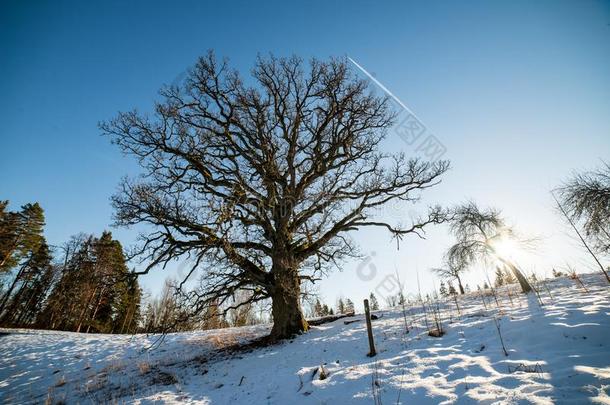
{"points": [[557, 353]]}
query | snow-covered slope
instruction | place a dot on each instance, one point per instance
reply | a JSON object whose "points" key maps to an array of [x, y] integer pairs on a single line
{"points": [[557, 353]]}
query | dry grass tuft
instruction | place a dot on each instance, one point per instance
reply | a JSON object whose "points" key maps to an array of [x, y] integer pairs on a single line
{"points": [[323, 373], [163, 378], [61, 382], [436, 333], [144, 367]]}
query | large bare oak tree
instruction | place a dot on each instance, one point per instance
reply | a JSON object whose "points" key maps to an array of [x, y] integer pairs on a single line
{"points": [[260, 182]]}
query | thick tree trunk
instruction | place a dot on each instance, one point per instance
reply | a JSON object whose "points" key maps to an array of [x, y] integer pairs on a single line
{"points": [[288, 319], [525, 285]]}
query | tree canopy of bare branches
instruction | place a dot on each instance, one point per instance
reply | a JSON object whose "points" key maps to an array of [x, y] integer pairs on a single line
{"points": [[477, 231], [259, 182], [586, 199]]}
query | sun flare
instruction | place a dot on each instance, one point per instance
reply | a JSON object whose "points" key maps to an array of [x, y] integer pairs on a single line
{"points": [[505, 247]]}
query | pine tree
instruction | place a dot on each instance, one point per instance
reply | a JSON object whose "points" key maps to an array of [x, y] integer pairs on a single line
{"points": [[20, 239], [443, 289], [499, 277], [340, 306], [317, 309], [70, 294], [36, 296], [452, 290], [9, 231], [401, 298], [28, 286], [509, 277], [326, 310], [349, 306], [373, 303], [127, 308], [20, 233], [95, 291], [149, 318], [108, 278]]}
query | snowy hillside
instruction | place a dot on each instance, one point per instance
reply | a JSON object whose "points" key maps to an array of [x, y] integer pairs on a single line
{"points": [[557, 353]]}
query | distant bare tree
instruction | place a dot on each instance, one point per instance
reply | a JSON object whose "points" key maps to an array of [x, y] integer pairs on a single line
{"points": [[452, 270], [168, 313], [392, 300], [261, 184], [476, 231]]}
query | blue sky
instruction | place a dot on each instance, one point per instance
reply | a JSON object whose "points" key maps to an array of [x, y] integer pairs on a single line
{"points": [[518, 92]]}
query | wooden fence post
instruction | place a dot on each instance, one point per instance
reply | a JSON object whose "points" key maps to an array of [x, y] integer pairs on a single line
{"points": [[369, 328]]}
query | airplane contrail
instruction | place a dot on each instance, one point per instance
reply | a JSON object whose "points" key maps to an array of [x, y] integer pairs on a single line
{"points": [[378, 83]]}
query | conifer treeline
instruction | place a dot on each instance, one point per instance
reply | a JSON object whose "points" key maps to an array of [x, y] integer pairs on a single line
{"points": [[86, 288], [94, 291], [343, 306]]}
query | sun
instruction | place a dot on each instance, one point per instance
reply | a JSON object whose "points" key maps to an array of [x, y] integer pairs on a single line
{"points": [[505, 247]]}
